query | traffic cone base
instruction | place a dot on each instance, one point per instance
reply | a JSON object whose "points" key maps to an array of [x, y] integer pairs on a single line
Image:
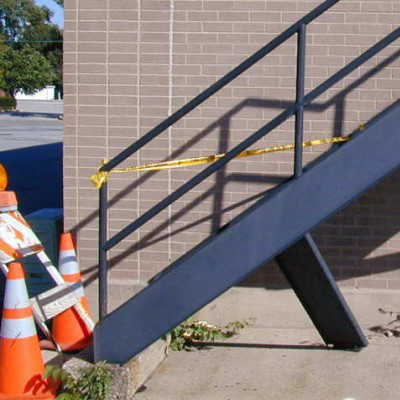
{"points": [[29, 383], [37, 396], [21, 362], [77, 336], [69, 330]]}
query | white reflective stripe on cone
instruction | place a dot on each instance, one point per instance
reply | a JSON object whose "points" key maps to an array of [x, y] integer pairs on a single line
{"points": [[17, 328], [68, 263], [16, 295]]}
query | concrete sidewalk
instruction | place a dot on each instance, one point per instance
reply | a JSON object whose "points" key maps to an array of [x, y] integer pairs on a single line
{"points": [[48, 107], [258, 370]]}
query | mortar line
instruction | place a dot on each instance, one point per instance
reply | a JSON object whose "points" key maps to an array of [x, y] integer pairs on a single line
{"points": [[170, 90], [138, 158]]}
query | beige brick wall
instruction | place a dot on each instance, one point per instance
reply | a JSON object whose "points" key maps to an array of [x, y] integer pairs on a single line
{"points": [[130, 63]]}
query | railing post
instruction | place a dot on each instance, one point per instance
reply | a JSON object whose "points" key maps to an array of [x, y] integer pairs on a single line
{"points": [[299, 122], [103, 267]]}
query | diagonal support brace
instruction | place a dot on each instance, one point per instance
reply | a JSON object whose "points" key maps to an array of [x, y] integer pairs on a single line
{"points": [[314, 285]]}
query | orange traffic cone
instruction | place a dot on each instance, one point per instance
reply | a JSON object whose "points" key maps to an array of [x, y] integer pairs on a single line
{"points": [[69, 331], [21, 363]]}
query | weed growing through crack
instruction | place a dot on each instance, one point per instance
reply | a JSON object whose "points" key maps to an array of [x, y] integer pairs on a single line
{"points": [[185, 335], [92, 383]]}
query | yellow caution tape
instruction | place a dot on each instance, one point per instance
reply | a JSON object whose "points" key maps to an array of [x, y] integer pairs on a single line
{"points": [[101, 176]]}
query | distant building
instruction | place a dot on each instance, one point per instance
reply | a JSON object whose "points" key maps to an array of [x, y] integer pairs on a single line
{"points": [[48, 93]]}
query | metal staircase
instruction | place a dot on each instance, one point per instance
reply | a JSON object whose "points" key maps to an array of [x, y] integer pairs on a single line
{"points": [[276, 226]]}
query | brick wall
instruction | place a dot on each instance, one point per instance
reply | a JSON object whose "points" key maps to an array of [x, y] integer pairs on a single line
{"points": [[130, 63]]}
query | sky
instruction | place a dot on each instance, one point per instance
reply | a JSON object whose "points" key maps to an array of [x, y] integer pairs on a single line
{"points": [[58, 17]]}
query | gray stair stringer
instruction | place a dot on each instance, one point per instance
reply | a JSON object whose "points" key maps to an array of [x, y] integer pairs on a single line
{"points": [[259, 234]]}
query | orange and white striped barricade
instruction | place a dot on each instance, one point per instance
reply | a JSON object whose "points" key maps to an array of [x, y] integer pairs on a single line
{"points": [[17, 240]]}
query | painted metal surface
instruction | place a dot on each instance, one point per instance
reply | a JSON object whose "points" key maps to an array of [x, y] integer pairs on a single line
{"points": [[300, 82], [211, 268], [103, 264], [262, 232], [314, 285]]}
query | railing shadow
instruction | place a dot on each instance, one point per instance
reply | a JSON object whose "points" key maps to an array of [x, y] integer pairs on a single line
{"points": [[338, 101], [317, 346]]}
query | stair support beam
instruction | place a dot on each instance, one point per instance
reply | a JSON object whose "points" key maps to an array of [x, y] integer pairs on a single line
{"points": [[308, 274]]}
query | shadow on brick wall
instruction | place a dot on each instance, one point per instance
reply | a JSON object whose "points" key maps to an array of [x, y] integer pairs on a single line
{"points": [[356, 242], [344, 266]]}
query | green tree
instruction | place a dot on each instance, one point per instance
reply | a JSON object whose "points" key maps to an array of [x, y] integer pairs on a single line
{"points": [[2, 43], [47, 40], [23, 69], [18, 17], [25, 27]]}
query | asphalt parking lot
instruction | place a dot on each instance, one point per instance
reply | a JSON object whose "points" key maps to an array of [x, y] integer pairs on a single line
{"points": [[35, 123], [31, 151]]}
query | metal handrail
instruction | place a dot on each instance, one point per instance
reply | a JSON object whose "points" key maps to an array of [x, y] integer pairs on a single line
{"points": [[296, 109], [215, 87], [251, 140]]}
